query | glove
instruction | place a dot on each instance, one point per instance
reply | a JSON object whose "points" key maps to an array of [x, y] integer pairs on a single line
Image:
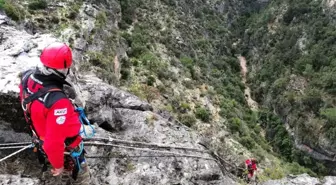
{"points": [[57, 171], [86, 131]]}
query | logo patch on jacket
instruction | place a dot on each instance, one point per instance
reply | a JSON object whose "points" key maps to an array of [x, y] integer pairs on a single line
{"points": [[60, 120], [60, 112]]}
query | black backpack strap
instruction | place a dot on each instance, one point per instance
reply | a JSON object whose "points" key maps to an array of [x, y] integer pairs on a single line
{"points": [[27, 102], [37, 95]]}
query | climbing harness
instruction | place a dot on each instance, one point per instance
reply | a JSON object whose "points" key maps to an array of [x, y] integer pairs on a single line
{"points": [[75, 157]]}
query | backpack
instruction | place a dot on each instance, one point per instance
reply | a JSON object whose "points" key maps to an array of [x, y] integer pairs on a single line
{"points": [[249, 167]]}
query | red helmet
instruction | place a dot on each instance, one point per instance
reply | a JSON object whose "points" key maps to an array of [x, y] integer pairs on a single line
{"points": [[57, 56]]}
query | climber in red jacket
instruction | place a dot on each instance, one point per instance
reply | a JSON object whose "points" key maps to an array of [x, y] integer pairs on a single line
{"points": [[251, 166], [50, 113]]}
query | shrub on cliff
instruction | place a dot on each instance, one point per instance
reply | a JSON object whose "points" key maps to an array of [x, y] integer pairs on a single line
{"points": [[187, 119], [38, 4], [247, 142], [2, 3], [203, 114], [12, 10], [235, 125]]}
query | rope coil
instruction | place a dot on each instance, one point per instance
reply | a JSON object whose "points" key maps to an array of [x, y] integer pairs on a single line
{"points": [[83, 118]]}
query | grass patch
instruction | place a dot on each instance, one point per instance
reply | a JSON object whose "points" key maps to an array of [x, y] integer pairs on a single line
{"points": [[151, 119], [144, 91], [130, 166], [101, 19], [280, 170]]}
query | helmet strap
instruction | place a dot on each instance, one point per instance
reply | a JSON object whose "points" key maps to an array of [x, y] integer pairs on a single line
{"points": [[67, 72], [59, 73]]}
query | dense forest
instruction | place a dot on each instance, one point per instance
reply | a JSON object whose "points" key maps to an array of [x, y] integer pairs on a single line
{"points": [[292, 52]]}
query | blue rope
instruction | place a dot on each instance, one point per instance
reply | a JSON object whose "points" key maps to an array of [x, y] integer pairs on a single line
{"points": [[83, 117], [76, 154]]}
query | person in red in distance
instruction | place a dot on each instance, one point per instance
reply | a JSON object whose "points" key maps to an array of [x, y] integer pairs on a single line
{"points": [[251, 166], [54, 122]]}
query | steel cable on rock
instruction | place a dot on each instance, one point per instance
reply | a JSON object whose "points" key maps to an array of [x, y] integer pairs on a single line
{"points": [[166, 153], [14, 153], [148, 150], [11, 147], [13, 144], [6, 146], [133, 145], [131, 156], [121, 142], [112, 140]]}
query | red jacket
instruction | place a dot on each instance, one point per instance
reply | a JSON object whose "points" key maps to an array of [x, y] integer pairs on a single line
{"points": [[253, 165], [54, 118]]}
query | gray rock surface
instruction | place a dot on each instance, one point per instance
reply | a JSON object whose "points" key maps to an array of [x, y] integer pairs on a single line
{"points": [[303, 179], [17, 180]]}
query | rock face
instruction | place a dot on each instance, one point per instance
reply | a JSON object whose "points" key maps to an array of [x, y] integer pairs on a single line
{"points": [[15, 179], [119, 114], [303, 179]]}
